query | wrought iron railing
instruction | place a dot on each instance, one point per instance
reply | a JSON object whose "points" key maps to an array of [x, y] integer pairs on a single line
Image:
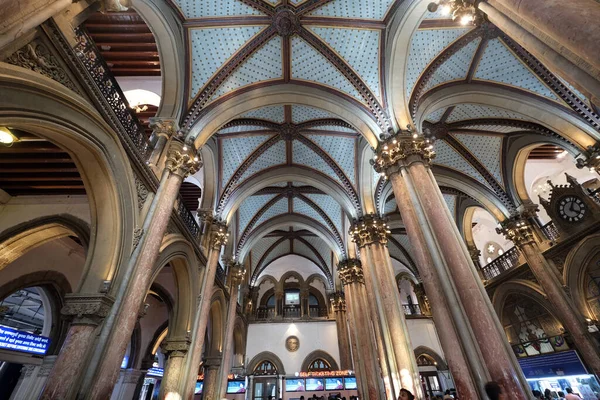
{"points": [[506, 261], [98, 70], [220, 274], [550, 231], [411, 309], [189, 220]]}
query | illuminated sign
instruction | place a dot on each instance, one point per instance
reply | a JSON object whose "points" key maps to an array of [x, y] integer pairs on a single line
{"points": [[157, 372], [12, 339], [326, 373]]}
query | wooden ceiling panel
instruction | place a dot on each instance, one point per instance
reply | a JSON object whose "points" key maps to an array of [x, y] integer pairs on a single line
{"points": [[545, 152]]}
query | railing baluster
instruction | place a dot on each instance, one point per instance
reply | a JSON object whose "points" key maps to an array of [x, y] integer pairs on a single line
{"points": [[505, 262]]}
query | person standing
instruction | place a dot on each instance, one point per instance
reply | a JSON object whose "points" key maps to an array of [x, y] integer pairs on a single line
{"points": [[570, 395]]}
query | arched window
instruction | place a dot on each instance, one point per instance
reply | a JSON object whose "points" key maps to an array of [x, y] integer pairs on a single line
{"points": [[265, 368], [24, 310], [425, 361], [319, 365]]}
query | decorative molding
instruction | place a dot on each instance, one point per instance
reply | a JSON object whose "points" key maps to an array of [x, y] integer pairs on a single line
{"points": [[401, 149], [37, 57], [137, 236], [86, 309], [142, 191], [350, 271], [175, 347], [165, 127], [368, 230], [219, 235], [180, 162], [338, 302], [518, 229]]}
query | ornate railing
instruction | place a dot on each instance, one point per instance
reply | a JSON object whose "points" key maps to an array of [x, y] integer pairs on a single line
{"points": [[506, 261], [220, 274], [188, 220], [98, 70], [411, 309], [550, 231]]}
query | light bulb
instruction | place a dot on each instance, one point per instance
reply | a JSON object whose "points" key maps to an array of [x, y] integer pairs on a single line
{"points": [[466, 19], [445, 10], [185, 147], [6, 137]]}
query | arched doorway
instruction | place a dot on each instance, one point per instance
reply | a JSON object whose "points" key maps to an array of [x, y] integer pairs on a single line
{"points": [[266, 368]]}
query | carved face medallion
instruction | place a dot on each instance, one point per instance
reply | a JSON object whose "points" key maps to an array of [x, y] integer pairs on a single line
{"points": [[292, 344]]}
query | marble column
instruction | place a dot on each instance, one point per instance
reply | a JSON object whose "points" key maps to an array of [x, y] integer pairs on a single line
{"points": [[279, 303], [162, 131], [210, 391], [32, 380], [175, 351], [85, 313], [519, 230], [116, 334], [128, 382], [368, 371], [341, 323], [218, 238], [471, 335], [371, 234], [237, 272]]}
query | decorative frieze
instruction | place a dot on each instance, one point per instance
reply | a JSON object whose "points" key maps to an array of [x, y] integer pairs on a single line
{"points": [[86, 309], [350, 271], [401, 149], [368, 230], [180, 161]]}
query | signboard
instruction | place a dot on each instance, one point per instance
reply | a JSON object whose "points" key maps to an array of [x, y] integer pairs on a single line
{"points": [[12, 339], [326, 373], [561, 364], [157, 372]]}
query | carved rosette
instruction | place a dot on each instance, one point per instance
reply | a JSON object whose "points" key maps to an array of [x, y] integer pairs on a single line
{"points": [[338, 301], [400, 150], [164, 127], [369, 230], [286, 22], [175, 347], [219, 234], [517, 229], [180, 161], [350, 271], [86, 310]]}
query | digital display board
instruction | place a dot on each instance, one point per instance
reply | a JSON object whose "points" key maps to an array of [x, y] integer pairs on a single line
{"points": [[292, 299], [236, 387], [334, 383], [12, 339], [560, 364], [350, 383], [156, 372], [294, 385], [199, 387], [314, 384]]}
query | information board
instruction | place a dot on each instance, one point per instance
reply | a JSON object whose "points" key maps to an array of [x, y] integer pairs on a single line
{"points": [[12, 339], [553, 365]]}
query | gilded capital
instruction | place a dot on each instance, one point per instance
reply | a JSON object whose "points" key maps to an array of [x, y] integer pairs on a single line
{"points": [[219, 234], [591, 159], [400, 150], [517, 229], [165, 127], [350, 271], [236, 272], [368, 230], [181, 161], [338, 301]]}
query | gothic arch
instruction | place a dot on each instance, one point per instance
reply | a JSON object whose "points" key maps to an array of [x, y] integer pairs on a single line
{"points": [[41, 106], [520, 287], [319, 277], [424, 350], [579, 259], [290, 274], [266, 356], [216, 327], [310, 358]]}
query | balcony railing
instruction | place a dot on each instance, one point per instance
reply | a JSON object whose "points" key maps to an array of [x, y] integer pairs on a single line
{"points": [[291, 312], [411, 309], [550, 231], [506, 261]]}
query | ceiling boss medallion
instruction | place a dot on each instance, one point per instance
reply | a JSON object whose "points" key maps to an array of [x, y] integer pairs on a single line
{"points": [[286, 22]]}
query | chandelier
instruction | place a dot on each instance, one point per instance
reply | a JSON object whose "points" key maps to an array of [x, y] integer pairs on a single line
{"points": [[464, 11]]}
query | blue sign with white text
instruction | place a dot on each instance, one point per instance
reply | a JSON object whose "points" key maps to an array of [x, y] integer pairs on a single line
{"points": [[12, 339], [565, 363], [155, 371]]}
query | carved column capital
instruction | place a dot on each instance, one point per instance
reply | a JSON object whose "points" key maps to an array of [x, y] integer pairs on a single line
{"points": [[85, 309], [175, 347], [475, 253], [218, 234], [206, 215], [181, 161], [165, 127], [591, 160], [369, 230], [399, 150], [338, 301], [350, 271], [517, 229], [212, 362], [237, 272]]}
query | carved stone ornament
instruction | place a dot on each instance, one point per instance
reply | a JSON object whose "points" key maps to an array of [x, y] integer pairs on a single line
{"points": [[137, 236], [175, 348], [115, 5], [401, 149], [219, 235], [181, 162], [36, 57], [142, 192], [369, 230], [350, 271], [163, 127], [286, 22], [86, 310], [338, 301], [517, 229], [292, 344], [236, 272]]}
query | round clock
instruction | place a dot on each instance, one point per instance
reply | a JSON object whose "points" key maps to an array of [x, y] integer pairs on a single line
{"points": [[571, 208]]}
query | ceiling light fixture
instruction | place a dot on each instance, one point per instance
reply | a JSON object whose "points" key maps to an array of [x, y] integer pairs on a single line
{"points": [[463, 11], [6, 137]]}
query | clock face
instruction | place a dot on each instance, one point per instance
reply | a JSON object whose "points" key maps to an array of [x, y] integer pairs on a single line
{"points": [[571, 208]]}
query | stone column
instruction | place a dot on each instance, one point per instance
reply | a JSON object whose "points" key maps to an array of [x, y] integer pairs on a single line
{"points": [[369, 373], [371, 234], [339, 309], [175, 350], [448, 273], [237, 272], [116, 332], [475, 255], [279, 303], [518, 229], [127, 385], [304, 306], [163, 129], [218, 238], [85, 313], [210, 391]]}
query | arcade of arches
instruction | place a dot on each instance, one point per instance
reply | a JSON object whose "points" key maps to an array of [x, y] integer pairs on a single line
{"points": [[246, 199]]}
